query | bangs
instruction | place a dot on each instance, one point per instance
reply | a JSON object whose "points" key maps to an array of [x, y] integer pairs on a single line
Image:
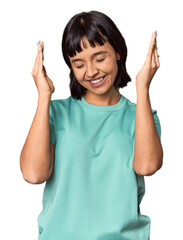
{"points": [[94, 28], [92, 34]]}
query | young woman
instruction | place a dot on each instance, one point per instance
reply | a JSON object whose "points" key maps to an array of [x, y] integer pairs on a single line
{"points": [[93, 148]]}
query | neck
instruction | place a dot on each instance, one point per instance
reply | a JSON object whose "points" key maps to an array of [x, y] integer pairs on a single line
{"points": [[105, 99]]}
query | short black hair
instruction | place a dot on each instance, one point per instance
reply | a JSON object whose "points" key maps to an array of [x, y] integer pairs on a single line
{"points": [[98, 28]]}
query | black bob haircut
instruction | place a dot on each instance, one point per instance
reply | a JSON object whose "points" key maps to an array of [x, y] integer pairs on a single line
{"points": [[98, 28]]}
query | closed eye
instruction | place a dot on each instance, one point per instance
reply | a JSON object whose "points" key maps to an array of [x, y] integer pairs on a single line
{"points": [[100, 60], [79, 66]]}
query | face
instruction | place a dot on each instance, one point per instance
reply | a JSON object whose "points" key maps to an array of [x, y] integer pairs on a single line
{"points": [[97, 63]]}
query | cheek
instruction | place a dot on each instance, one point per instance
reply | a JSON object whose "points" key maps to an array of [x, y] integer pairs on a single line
{"points": [[78, 74], [114, 71], [112, 67]]}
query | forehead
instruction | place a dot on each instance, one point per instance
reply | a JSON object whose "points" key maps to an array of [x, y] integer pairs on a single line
{"points": [[88, 50]]}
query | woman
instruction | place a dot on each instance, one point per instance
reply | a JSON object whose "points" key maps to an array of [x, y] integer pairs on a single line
{"points": [[102, 144]]}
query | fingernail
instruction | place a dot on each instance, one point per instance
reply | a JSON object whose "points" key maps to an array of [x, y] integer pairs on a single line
{"points": [[156, 33], [38, 42]]}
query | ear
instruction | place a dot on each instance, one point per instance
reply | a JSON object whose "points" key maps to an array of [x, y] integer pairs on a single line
{"points": [[118, 56]]}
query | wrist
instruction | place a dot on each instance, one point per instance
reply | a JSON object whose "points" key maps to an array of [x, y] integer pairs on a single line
{"points": [[142, 88], [44, 98]]}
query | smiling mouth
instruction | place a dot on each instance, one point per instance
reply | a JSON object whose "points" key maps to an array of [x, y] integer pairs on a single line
{"points": [[97, 80]]}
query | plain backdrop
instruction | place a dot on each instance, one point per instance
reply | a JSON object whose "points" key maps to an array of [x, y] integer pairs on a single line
{"points": [[23, 24]]}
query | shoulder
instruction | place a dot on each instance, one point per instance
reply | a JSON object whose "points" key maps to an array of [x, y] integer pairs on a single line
{"points": [[60, 104], [61, 101], [131, 106]]}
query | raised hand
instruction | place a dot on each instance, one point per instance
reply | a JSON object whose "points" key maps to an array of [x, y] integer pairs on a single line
{"points": [[43, 82], [151, 65]]}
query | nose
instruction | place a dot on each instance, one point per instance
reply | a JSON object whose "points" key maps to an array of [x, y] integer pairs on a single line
{"points": [[91, 70]]}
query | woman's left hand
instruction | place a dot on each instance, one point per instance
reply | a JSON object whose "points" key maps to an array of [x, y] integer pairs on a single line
{"points": [[151, 65]]}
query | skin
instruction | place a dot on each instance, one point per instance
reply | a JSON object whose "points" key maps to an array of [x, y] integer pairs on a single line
{"points": [[95, 66], [148, 153], [37, 155]]}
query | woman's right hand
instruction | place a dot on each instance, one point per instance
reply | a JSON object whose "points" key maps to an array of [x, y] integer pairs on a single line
{"points": [[43, 82]]}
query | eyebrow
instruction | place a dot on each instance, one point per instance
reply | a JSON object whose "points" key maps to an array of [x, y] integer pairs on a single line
{"points": [[95, 54]]}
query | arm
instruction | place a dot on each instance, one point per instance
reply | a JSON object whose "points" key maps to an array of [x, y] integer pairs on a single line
{"points": [[37, 155], [148, 153], [148, 156], [36, 158]]}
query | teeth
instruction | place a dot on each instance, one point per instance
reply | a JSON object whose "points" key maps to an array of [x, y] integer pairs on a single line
{"points": [[96, 81]]}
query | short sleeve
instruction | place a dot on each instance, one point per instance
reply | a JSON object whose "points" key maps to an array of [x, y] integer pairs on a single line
{"points": [[157, 123], [51, 124]]}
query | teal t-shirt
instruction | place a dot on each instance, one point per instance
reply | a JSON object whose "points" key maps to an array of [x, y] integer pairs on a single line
{"points": [[93, 193]]}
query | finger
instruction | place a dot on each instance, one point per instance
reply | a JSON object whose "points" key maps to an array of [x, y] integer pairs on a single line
{"points": [[42, 45], [153, 58], [157, 57], [34, 70], [40, 58], [151, 46], [155, 42], [156, 53], [153, 52]]}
